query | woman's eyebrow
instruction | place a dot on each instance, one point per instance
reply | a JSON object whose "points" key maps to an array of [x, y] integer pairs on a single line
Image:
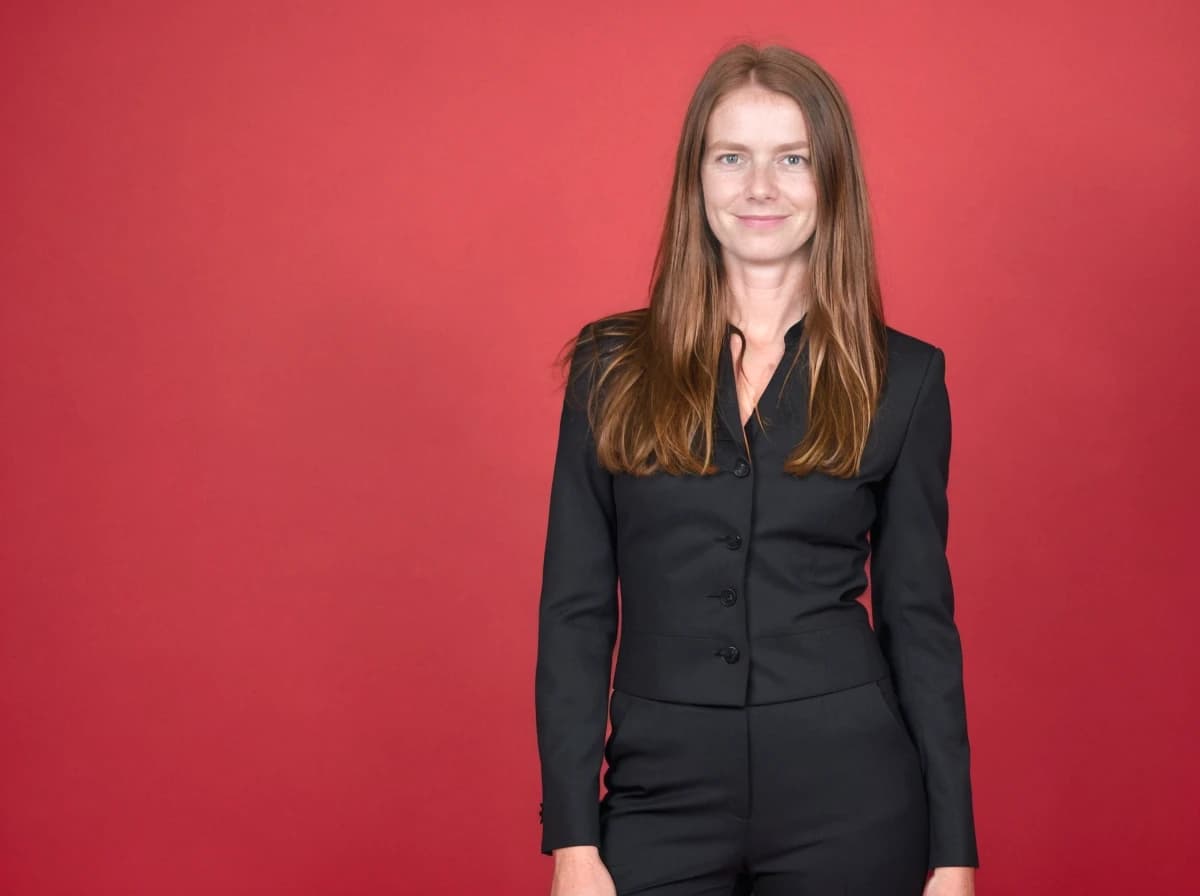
{"points": [[725, 144]]}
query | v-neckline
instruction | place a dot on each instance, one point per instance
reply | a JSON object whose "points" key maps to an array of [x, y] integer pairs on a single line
{"points": [[775, 374], [728, 404]]}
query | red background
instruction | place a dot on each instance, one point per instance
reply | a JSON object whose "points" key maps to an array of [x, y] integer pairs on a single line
{"points": [[282, 285]]}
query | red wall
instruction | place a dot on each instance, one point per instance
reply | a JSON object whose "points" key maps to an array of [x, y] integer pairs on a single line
{"points": [[281, 286]]}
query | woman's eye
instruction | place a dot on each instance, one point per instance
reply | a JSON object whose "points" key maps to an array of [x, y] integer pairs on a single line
{"points": [[731, 158]]}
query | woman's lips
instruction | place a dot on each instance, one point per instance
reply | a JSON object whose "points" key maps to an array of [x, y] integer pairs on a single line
{"points": [[761, 221]]}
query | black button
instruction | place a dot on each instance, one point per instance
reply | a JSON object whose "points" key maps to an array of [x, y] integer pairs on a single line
{"points": [[741, 468], [727, 596], [733, 542], [730, 654]]}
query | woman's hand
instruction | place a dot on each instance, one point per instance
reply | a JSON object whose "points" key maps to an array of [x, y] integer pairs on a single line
{"points": [[579, 871], [951, 880]]}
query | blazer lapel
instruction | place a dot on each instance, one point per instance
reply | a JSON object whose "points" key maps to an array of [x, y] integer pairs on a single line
{"points": [[727, 399], [793, 400]]}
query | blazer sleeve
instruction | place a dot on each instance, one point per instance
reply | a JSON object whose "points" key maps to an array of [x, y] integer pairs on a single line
{"points": [[913, 613], [577, 625]]}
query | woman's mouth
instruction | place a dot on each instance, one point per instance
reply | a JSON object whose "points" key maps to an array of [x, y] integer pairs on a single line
{"points": [[760, 222]]}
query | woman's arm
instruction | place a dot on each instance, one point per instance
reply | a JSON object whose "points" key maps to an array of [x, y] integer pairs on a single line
{"points": [[913, 612], [577, 624]]}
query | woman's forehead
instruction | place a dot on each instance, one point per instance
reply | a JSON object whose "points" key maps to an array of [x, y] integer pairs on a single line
{"points": [[756, 113]]}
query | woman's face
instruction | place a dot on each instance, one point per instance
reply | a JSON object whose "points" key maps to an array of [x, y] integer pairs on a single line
{"points": [[759, 191]]}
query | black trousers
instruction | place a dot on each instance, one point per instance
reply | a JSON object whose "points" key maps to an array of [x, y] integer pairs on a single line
{"points": [[822, 796]]}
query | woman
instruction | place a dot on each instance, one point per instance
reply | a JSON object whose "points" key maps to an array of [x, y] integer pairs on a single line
{"points": [[725, 454]]}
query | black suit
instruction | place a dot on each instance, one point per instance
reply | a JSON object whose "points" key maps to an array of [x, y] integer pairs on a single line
{"points": [[739, 589]]}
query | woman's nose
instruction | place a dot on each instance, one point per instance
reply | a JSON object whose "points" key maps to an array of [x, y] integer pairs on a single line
{"points": [[762, 182]]}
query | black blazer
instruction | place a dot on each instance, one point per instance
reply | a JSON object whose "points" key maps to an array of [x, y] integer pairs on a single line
{"points": [[691, 551]]}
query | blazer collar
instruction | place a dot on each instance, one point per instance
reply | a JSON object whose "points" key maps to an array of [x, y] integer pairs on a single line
{"points": [[727, 400]]}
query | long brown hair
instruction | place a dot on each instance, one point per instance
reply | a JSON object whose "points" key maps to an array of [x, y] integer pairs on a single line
{"points": [[651, 404]]}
